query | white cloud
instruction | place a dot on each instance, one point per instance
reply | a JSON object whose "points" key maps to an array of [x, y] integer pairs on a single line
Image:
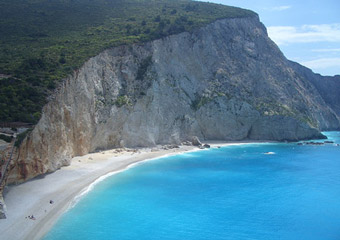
{"points": [[280, 8], [307, 33], [326, 50], [322, 63]]}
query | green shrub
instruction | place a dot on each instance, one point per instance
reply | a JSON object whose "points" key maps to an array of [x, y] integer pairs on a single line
{"points": [[199, 102], [122, 100], [6, 138]]}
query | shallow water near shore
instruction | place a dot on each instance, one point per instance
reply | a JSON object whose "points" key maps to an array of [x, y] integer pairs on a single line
{"points": [[234, 192]]}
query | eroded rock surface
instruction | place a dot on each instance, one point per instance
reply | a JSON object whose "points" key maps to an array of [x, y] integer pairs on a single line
{"points": [[226, 81]]}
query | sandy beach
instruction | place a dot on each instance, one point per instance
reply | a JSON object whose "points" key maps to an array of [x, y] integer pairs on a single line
{"points": [[64, 186]]}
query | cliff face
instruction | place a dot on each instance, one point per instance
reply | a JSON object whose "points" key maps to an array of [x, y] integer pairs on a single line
{"points": [[226, 81], [327, 86]]}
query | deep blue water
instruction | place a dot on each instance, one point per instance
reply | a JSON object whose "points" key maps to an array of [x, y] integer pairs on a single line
{"points": [[234, 192]]}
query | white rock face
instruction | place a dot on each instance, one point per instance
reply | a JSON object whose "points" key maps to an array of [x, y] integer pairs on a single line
{"points": [[226, 81]]}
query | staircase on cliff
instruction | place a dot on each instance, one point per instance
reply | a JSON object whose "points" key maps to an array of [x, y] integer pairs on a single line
{"points": [[5, 160]]}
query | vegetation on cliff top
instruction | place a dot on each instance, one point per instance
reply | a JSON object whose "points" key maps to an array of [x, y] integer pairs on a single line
{"points": [[42, 41]]}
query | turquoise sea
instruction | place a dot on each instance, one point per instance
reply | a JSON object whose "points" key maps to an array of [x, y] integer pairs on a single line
{"points": [[235, 192]]}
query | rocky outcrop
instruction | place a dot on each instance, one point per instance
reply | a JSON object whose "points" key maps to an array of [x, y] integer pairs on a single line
{"points": [[226, 81], [271, 128], [195, 141]]}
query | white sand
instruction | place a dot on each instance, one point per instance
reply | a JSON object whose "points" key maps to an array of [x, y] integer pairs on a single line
{"points": [[63, 186]]}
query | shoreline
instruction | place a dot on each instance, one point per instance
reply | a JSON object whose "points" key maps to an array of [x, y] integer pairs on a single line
{"points": [[69, 184]]}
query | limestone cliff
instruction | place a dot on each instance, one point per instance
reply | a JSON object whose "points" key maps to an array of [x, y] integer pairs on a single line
{"points": [[225, 81], [327, 86]]}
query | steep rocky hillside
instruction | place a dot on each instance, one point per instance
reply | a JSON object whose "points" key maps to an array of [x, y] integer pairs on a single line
{"points": [[327, 86], [224, 81], [42, 41]]}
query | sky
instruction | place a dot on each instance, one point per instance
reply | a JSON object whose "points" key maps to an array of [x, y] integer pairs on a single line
{"points": [[306, 31]]}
